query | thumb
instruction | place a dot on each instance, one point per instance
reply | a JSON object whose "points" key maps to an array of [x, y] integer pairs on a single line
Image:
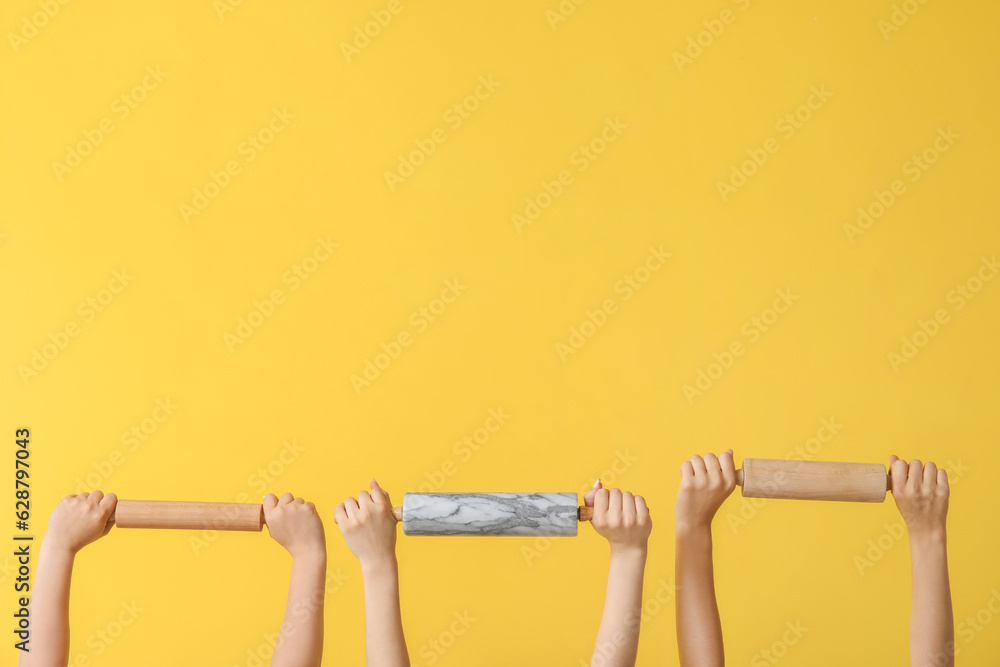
{"points": [[270, 502], [379, 494], [588, 497]]}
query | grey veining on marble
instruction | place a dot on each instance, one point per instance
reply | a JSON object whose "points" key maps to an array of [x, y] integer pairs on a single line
{"points": [[532, 514]]}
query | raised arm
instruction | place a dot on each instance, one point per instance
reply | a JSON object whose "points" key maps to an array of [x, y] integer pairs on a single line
{"points": [[295, 525], [706, 481], [369, 529], [75, 522], [921, 493], [623, 520]]}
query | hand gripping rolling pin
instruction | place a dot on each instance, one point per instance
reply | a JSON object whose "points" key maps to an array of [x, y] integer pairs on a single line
{"points": [[527, 514]]}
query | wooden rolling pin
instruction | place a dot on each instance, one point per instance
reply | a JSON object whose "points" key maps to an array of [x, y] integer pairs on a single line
{"points": [[187, 515], [814, 480]]}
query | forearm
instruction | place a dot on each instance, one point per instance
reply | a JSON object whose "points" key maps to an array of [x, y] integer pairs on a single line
{"points": [[384, 642], [932, 627], [300, 642], [699, 630], [49, 610], [618, 637]]}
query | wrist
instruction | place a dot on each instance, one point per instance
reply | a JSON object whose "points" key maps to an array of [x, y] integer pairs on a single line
{"points": [[928, 538], [55, 550], [687, 527], [635, 553], [380, 565], [315, 556]]}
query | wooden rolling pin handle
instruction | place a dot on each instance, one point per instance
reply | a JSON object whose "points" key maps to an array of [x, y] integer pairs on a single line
{"points": [[582, 513], [187, 515], [739, 477]]}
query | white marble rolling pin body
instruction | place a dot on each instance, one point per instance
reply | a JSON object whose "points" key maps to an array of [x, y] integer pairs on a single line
{"points": [[531, 514]]}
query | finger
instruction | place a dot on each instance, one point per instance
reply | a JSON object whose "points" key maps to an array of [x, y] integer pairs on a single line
{"points": [[641, 510], [601, 500], [286, 498], [728, 468], [628, 507], [300, 500], [892, 459], [365, 500], [942, 482], [898, 470], [930, 476], [915, 475], [95, 496], [588, 497], [687, 471], [379, 495], [107, 505], [698, 465], [351, 505], [270, 501], [339, 514], [713, 468], [615, 502]]}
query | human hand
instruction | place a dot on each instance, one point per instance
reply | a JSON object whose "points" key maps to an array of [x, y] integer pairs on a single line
{"points": [[619, 517], [706, 482], [921, 493], [79, 520], [295, 525], [368, 527]]}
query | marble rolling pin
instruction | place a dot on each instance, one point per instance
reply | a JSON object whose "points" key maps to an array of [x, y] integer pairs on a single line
{"points": [[531, 514], [814, 480], [187, 515]]}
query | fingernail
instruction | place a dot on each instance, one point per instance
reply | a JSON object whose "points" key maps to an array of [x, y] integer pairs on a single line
{"points": [[375, 483], [596, 483]]}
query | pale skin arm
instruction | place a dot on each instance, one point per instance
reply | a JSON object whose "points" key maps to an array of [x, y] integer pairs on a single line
{"points": [[295, 525], [369, 528], [622, 519], [75, 522], [706, 482], [921, 493]]}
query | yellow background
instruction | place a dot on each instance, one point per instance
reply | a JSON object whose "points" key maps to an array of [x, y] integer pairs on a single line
{"points": [[619, 397]]}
